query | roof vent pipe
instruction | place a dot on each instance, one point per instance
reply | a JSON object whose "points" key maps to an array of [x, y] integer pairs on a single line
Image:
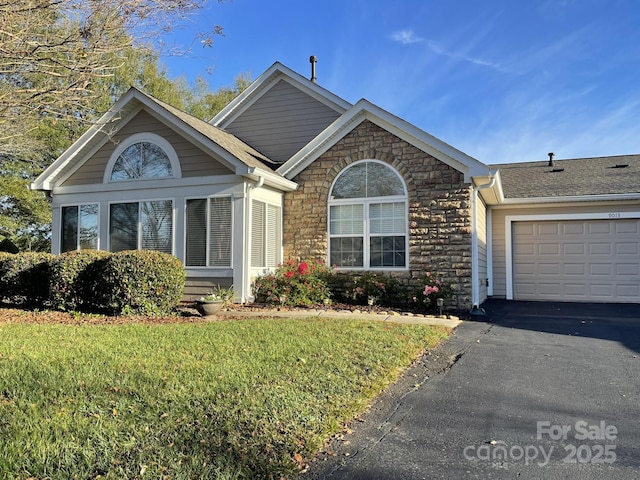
{"points": [[313, 59], [551, 154]]}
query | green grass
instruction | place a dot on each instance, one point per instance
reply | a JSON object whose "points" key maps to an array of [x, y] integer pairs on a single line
{"points": [[232, 399]]}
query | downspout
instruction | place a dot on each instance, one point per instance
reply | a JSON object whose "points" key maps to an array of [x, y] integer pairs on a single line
{"points": [[246, 274], [475, 267]]}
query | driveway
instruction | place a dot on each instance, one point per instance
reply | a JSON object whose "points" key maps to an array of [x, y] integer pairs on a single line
{"points": [[531, 391]]}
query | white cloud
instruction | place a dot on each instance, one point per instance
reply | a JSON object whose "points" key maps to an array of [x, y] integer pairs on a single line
{"points": [[436, 48], [406, 37]]}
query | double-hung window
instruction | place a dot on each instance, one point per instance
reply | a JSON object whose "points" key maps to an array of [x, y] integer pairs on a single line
{"points": [[209, 232], [368, 218], [144, 225], [79, 227]]}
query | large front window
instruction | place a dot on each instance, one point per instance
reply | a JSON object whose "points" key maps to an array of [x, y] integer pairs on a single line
{"points": [[368, 218], [209, 231], [141, 226]]}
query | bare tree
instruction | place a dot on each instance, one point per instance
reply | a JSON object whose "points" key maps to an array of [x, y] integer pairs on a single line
{"points": [[56, 54]]}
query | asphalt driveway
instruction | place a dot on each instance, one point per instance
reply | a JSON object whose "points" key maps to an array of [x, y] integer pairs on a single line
{"points": [[532, 391]]}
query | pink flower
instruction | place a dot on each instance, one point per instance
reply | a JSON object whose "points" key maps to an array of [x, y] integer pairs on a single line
{"points": [[303, 268], [288, 274], [429, 290]]}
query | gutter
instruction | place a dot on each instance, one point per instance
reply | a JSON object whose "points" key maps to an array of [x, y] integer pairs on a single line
{"points": [[475, 267]]}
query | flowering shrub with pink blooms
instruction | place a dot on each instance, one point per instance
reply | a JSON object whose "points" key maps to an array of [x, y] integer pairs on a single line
{"points": [[299, 284], [431, 289]]}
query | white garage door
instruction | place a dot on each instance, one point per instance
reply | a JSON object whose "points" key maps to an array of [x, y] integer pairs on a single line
{"points": [[577, 260]]}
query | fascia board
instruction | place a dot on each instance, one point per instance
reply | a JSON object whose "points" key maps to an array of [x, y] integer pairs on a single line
{"points": [[364, 110], [264, 82], [46, 179], [573, 199], [270, 178]]}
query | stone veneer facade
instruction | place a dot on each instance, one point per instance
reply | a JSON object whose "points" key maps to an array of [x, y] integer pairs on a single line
{"points": [[439, 208]]}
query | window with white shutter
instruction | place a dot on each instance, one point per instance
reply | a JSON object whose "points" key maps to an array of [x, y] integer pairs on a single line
{"points": [[266, 234]]}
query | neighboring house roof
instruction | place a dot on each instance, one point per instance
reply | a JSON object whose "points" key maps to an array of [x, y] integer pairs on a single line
{"points": [[579, 177], [239, 156]]}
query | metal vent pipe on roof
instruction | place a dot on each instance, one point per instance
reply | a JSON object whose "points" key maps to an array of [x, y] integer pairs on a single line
{"points": [[551, 154], [313, 59]]}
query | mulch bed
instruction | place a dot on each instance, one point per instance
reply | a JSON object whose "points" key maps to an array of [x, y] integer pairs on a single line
{"points": [[185, 314]]}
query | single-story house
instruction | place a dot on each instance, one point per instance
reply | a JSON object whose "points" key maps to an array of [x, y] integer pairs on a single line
{"points": [[288, 170]]}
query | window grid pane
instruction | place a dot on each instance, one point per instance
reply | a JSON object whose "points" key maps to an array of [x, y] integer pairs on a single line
{"points": [[387, 251], [346, 220], [347, 252]]}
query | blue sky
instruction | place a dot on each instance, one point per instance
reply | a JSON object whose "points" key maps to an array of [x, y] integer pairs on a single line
{"points": [[501, 80]]}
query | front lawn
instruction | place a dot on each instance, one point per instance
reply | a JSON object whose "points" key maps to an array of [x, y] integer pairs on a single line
{"points": [[230, 399]]}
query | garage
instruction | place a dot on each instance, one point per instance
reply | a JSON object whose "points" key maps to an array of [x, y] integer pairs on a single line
{"points": [[577, 260]]}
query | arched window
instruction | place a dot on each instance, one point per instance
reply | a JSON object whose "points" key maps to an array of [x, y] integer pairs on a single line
{"points": [[142, 157], [368, 218]]}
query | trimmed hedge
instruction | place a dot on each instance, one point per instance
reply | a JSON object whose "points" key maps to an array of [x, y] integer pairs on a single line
{"points": [[141, 282], [131, 282], [24, 277], [71, 279]]}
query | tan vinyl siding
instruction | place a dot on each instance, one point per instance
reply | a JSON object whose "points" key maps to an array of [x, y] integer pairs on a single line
{"points": [[196, 287], [482, 249], [282, 121], [498, 232], [193, 161]]}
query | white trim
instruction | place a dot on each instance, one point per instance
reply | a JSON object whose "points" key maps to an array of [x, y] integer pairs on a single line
{"points": [[146, 137], [489, 233], [508, 240]]}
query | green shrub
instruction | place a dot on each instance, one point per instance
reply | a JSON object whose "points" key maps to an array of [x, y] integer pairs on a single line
{"points": [[300, 284], [71, 279], [376, 288], [138, 282], [24, 277]]}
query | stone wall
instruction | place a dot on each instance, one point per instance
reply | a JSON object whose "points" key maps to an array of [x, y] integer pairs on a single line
{"points": [[439, 208]]}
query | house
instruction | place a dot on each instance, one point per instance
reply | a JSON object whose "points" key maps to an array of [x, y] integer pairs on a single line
{"points": [[290, 170]]}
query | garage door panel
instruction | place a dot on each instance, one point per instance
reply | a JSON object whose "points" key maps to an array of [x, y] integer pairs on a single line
{"points": [[573, 248], [627, 227], [627, 248], [600, 248], [548, 249], [575, 260], [600, 269], [573, 269]]}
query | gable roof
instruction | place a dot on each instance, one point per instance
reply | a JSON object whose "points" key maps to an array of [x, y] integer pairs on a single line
{"points": [[265, 82], [578, 177], [365, 110], [237, 155]]}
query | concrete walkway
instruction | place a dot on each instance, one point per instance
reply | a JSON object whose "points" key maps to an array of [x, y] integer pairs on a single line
{"points": [[449, 321]]}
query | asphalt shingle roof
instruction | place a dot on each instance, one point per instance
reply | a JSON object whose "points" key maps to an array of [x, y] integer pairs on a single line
{"points": [[573, 177], [229, 142]]}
